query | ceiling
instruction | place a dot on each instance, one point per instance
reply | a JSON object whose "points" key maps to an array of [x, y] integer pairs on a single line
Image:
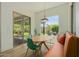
{"points": [[36, 6]]}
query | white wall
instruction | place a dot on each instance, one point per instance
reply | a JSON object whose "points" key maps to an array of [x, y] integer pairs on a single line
{"points": [[7, 24], [64, 13]]}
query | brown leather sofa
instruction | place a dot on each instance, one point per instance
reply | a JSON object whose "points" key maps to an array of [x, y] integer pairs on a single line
{"points": [[69, 49]]}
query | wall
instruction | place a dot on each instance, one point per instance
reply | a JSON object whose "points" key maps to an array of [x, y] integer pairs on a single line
{"points": [[76, 18], [7, 24], [64, 13]]}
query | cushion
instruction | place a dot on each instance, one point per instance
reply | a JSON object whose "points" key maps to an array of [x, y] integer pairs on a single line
{"points": [[61, 39], [55, 51]]}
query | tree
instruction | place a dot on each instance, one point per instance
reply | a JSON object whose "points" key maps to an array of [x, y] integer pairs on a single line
{"points": [[55, 28]]}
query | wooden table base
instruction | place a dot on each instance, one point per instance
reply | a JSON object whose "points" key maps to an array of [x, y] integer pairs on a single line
{"points": [[44, 45]]}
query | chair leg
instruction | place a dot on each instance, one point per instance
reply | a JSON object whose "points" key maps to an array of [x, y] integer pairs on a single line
{"points": [[36, 52], [26, 52], [40, 52], [33, 52]]}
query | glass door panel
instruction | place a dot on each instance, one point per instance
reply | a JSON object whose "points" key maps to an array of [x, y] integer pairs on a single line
{"points": [[21, 28]]}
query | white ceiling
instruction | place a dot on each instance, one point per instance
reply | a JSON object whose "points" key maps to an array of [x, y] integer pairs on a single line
{"points": [[36, 6]]}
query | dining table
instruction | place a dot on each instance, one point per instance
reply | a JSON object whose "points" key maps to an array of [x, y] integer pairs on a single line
{"points": [[41, 39]]}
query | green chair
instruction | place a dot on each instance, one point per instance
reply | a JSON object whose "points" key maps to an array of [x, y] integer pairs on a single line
{"points": [[32, 46]]}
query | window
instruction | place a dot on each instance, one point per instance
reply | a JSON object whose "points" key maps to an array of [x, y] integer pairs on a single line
{"points": [[51, 26]]}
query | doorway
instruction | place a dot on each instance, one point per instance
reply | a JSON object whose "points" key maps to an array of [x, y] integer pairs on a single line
{"points": [[21, 28]]}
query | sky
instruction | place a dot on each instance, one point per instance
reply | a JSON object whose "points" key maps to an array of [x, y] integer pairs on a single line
{"points": [[52, 20]]}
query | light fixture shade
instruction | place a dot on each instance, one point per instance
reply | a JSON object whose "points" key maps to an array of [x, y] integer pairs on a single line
{"points": [[44, 19]]}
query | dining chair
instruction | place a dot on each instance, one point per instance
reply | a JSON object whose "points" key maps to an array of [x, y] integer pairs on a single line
{"points": [[31, 45]]}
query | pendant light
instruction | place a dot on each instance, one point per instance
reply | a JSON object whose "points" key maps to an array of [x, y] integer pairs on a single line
{"points": [[44, 20]]}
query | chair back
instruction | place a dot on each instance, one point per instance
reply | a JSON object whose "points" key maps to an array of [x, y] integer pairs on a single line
{"points": [[30, 44]]}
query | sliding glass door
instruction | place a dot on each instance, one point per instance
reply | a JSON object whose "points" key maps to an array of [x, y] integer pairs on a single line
{"points": [[21, 28]]}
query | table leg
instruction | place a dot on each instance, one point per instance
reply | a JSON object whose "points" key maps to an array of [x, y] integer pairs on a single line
{"points": [[45, 45]]}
